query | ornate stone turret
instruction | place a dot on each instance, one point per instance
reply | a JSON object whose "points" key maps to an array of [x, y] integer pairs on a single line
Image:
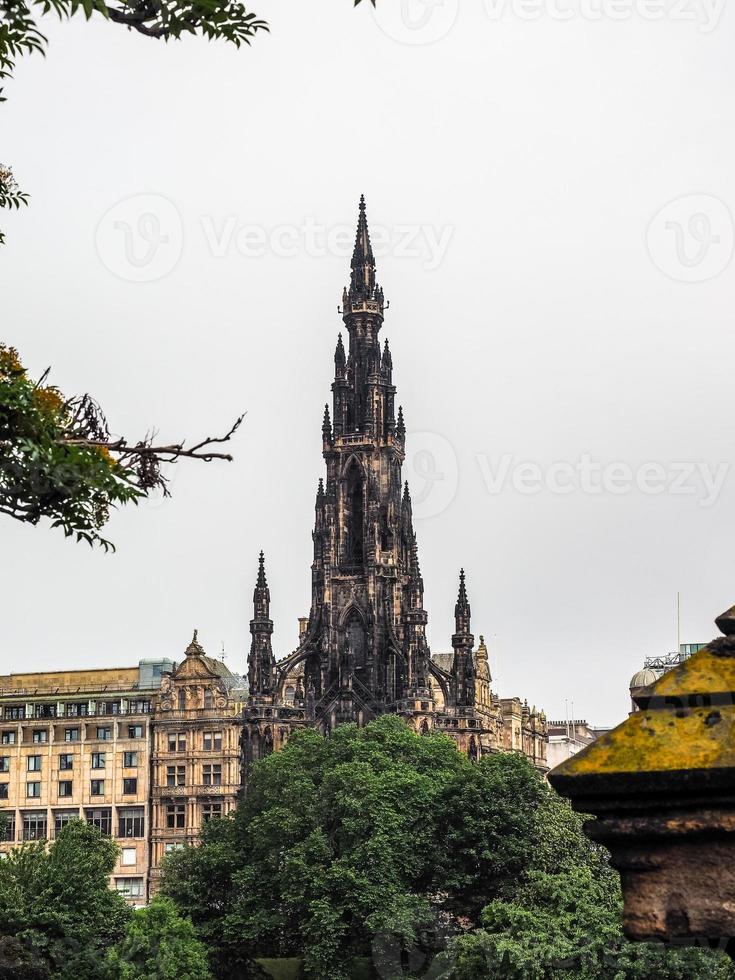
{"points": [[364, 650], [483, 692], [261, 662], [463, 668]]}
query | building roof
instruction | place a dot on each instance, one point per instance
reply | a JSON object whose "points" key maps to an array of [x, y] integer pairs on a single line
{"points": [[70, 681]]}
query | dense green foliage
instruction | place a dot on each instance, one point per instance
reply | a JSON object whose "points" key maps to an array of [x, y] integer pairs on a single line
{"points": [[381, 843], [158, 945], [58, 915]]}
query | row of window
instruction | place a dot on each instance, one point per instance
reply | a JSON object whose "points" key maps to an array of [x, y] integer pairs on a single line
{"points": [[75, 709], [211, 741], [176, 814], [96, 788], [66, 761], [34, 763], [40, 735], [211, 775], [131, 822]]}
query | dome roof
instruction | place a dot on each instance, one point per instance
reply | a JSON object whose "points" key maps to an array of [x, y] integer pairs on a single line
{"points": [[643, 678]]}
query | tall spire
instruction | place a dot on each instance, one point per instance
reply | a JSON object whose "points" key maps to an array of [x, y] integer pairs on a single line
{"points": [[463, 669], [463, 606], [362, 278], [261, 582], [364, 294], [261, 662]]}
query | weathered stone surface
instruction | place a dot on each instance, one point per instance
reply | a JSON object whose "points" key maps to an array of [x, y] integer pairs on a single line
{"points": [[662, 787]]}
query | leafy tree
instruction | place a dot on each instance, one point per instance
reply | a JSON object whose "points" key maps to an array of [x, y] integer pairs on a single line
{"points": [[56, 902], [59, 461], [379, 842], [158, 945]]}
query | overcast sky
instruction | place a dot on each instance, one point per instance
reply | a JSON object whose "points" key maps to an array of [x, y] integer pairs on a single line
{"points": [[552, 187]]}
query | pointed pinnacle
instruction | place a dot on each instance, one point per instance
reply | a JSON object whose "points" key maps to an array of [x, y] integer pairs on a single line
{"points": [[326, 423], [462, 597], [406, 491], [362, 202], [261, 583]]}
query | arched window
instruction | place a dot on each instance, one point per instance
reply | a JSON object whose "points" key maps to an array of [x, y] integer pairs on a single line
{"points": [[356, 642], [208, 697], [355, 514], [182, 699], [290, 693]]}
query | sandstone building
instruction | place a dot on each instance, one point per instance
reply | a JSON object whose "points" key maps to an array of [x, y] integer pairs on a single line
{"points": [[77, 744], [363, 651]]}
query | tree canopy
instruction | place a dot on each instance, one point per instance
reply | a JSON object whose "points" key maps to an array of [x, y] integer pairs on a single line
{"points": [[378, 842], [58, 915], [158, 945], [59, 461]]}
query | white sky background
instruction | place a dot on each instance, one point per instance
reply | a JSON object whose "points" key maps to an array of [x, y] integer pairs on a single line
{"points": [[546, 331]]}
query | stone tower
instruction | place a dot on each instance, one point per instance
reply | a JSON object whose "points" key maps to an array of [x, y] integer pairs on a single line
{"points": [[363, 651]]}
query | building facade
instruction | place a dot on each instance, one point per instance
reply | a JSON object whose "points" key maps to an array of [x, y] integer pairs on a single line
{"points": [[196, 759], [566, 738], [76, 744], [362, 651]]}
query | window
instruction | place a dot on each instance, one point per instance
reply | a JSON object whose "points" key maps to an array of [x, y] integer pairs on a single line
{"points": [[130, 760], [129, 887], [135, 731], [65, 787], [66, 761], [212, 775], [129, 856], [62, 818], [7, 738], [130, 786], [132, 822], [175, 775], [7, 825], [4, 763], [176, 816], [98, 760], [33, 790], [34, 763], [15, 712], [97, 787], [40, 735], [171, 847], [210, 810], [101, 819], [44, 711], [71, 734], [140, 707], [34, 825], [104, 733], [76, 709], [4, 791], [212, 741], [177, 742]]}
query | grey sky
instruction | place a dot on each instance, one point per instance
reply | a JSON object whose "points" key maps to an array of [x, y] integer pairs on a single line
{"points": [[547, 326]]}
